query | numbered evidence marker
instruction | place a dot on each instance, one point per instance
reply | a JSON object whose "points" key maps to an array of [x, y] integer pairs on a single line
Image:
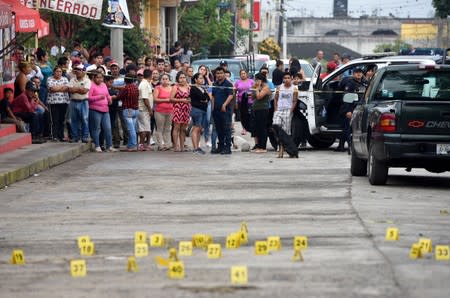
{"points": [[141, 249], [87, 249], [83, 240], [214, 251], [415, 253], [244, 233], [273, 243], [300, 242], [185, 248], [176, 270], [140, 237], [425, 246], [165, 262], [201, 240], [442, 252], [233, 241], [261, 248], [157, 240], [239, 275], [297, 255], [132, 264], [17, 257], [78, 268], [391, 234]]}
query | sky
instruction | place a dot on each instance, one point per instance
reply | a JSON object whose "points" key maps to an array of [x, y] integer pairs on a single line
{"points": [[356, 8]]}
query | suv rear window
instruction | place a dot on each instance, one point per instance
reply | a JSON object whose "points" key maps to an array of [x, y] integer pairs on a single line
{"points": [[414, 85]]}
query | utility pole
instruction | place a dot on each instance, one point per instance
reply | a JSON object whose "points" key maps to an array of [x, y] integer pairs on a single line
{"points": [[235, 24], [116, 45], [250, 37], [280, 20], [284, 18]]}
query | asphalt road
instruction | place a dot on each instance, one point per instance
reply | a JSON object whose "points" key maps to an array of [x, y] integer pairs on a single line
{"points": [[110, 196]]}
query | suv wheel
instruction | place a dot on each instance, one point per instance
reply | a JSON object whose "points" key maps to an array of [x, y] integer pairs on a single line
{"points": [[377, 171], [358, 166]]}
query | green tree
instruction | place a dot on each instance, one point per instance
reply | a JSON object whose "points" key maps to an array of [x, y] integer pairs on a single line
{"points": [[442, 8], [206, 26], [397, 46]]}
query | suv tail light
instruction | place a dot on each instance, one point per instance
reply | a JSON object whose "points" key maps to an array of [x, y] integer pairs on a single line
{"points": [[387, 123]]}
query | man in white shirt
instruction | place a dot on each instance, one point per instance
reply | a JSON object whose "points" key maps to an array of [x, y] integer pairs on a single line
{"points": [[98, 62], [145, 111], [284, 103], [79, 106]]}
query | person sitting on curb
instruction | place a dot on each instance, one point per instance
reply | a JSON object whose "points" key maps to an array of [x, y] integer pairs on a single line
{"points": [[6, 114], [24, 107]]}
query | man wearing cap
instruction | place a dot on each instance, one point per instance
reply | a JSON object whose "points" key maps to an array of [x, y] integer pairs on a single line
{"points": [[355, 83], [108, 60], [24, 107], [79, 107], [224, 65]]}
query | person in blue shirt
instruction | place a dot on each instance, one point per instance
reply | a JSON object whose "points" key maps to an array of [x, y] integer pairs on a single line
{"points": [[222, 97]]}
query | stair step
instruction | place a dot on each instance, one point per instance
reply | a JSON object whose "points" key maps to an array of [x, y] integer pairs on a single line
{"points": [[14, 141], [7, 129]]}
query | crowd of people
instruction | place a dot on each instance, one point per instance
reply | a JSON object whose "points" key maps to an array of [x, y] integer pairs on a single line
{"points": [[149, 103]]}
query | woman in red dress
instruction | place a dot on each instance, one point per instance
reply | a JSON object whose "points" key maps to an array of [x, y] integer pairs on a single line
{"points": [[181, 111]]}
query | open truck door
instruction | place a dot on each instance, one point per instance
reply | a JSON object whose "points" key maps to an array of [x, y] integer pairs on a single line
{"points": [[317, 112]]}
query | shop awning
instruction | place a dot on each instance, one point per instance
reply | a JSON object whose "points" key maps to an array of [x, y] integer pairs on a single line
{"points": [[27, 19], [5, 15], [44, 29]]}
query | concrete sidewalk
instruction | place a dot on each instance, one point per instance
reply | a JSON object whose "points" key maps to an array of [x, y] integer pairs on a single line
{"points": [[27, 161]]}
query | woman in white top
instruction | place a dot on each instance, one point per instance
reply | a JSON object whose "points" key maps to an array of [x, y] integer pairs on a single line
{"points": [[58, 100]]}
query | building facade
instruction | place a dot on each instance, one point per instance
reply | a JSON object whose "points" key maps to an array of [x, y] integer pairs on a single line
{"points": [[160, 20]]}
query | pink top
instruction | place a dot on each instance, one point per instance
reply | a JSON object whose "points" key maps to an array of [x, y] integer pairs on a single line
{"points": [[164, 107], [99, 98], [242, 87]]}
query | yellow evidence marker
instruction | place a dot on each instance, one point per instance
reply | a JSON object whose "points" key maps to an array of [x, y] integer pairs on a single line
{"points": [[161, 261], [83, 240], [214, 251], [87, 249], [261, 248], [415, 252], [165, 262], [425, 246], [239, 275], [17, 257], [185, 248], [244, 233], [140, 237], [273, 243], [78, 268], [141, 249], [233, 240], [132, 265], [442, 252], [201, 240], [300, 242], [391, 234], [297, 255], [176, 270], [157, 240]]}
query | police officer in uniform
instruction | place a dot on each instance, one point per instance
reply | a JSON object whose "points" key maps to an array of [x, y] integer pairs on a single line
{"points": [[355, 84]]}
